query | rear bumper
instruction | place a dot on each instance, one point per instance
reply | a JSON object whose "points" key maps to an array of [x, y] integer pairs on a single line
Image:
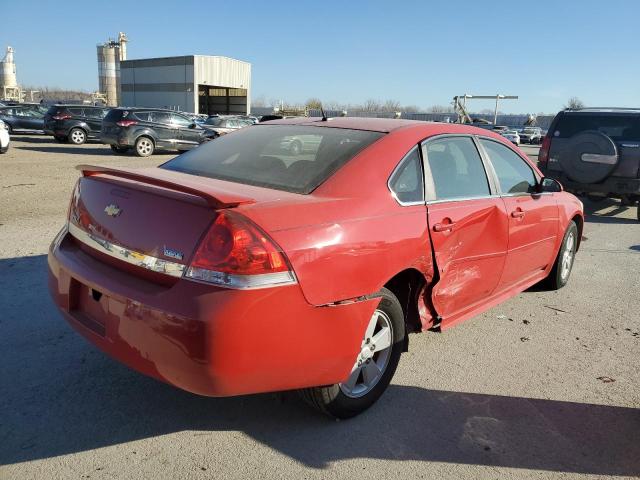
{"points": [[205, 339], [610, 186], [118, 140]]}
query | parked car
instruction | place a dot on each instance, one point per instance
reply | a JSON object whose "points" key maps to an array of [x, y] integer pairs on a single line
{"points": [[595, 151], [5, 139], [531, 135], [223, 125], [22, 117], [145, 129], [74, 123], [269, 272], [512, 135]]}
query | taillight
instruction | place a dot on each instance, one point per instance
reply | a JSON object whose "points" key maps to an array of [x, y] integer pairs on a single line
{"points": [[126, 123], [63, 116], [235, 253], [543, 154]]}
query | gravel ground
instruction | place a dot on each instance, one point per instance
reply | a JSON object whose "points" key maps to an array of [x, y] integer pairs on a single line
{"points": [[546, 385]]}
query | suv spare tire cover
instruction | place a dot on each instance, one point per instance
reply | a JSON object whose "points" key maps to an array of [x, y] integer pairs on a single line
{"points": [[589, 157]]}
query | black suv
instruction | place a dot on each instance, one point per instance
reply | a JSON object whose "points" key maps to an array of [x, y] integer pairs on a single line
{"points": [[595, 151], [74, 123], [146, 129], [23, 116]]}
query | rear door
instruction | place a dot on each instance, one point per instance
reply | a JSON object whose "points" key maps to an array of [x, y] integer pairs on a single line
{"points": [[533, 217], [467, 222]]}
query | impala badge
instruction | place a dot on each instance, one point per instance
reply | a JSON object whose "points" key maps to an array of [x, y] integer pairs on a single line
{"points": [[112, 210], [168, 252]]}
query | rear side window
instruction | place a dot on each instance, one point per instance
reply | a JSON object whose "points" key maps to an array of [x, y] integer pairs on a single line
{"points": [[616, 126], [94, 112], [160, 117], [514, 175], [407, 182], [265, 156], [456, 168], [76, 111]]}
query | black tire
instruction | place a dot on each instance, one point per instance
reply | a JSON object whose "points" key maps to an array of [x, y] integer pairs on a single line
{"points": [[60, 138], [119, 150], [77, 136], [144, 147], [559, 275], [332, 399], [9, 129], [638, 211]]}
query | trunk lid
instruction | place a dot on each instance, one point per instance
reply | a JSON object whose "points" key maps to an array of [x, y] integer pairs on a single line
{"points": [[150, 218]]}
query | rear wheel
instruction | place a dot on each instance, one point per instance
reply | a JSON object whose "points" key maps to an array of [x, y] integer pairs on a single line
{"points": [[374, 366], [120, 150], [144, 147], [77, 136], [559, 275]]}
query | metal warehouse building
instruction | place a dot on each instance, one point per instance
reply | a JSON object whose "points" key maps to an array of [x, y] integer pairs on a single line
{"points": [[193, 83]]}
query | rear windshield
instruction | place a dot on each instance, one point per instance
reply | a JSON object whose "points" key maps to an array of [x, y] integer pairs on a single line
{"points": [[284, 157], [114, 115], [616, 126]]}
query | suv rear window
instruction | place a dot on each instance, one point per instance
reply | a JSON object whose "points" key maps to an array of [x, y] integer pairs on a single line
{"points": [[616, 126], [284, 157], [114, 115]]}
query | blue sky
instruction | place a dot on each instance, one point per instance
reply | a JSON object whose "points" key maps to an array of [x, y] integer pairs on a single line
{"points": [[416, 52]]}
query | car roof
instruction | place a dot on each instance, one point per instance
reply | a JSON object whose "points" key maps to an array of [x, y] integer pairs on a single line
{"points": [[386, 125], [602, 110]]}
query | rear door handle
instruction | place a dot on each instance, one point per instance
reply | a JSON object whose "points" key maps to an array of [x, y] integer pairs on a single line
{"points": [[517, 214], [443, 227]]}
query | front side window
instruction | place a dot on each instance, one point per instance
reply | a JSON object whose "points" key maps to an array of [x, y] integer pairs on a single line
{"points": [[514, 175], [407, 182], [456, 168], [180, 121], [159, 117]]}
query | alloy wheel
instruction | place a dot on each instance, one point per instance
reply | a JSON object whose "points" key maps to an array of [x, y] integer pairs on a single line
{"points": [[567, 256], [144, 146], [78, 137], [373, 358]]}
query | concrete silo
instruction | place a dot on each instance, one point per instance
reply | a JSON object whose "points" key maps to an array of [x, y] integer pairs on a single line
{"points": [[109, 55], [8, 80]]}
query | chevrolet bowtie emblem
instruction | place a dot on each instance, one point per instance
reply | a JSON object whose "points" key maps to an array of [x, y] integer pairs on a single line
{"points": [[112, 210]]}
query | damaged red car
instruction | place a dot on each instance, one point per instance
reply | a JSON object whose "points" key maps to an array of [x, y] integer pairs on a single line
{"points": [[248, 266]]}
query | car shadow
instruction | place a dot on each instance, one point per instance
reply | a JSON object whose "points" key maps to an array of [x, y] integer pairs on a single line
{"points": [[607, 210], [31, 138], [98, 149], [61, 396]]}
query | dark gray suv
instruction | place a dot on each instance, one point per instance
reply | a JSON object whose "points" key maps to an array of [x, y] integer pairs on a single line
{"points": [[146, 129], [595, 151]]}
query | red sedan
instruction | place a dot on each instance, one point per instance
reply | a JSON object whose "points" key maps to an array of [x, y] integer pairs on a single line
{"points": [[245, 266]]}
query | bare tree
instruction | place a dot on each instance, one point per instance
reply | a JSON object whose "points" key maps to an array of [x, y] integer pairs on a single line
{"points": [[314, 103], [260, 101], [391, 106], [370, 105], [574, 102], [440, 109]]}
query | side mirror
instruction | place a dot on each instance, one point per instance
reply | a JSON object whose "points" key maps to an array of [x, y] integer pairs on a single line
{"points": [[549, 185], [193, 125]]}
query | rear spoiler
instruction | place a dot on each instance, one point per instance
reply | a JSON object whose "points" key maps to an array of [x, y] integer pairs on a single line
{"points": [[215, 196]]}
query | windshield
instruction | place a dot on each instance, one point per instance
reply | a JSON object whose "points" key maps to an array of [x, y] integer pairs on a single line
{"points": [[284, 157]]}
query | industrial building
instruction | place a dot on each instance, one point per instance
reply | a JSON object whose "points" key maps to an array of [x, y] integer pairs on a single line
{"points": [[193, 83]]}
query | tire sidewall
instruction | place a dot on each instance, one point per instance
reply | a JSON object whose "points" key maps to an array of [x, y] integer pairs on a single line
{"points": [[561, 282], [343, 406]]}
